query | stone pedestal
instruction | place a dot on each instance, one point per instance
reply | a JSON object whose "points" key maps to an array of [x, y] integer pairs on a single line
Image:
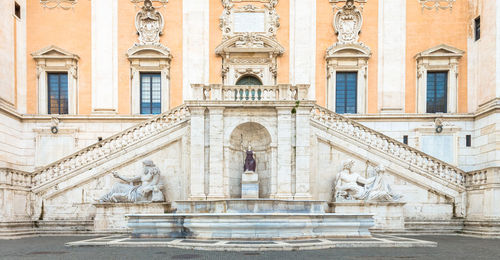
{"points": [[389, 216], [110, 217], [250, 185]]}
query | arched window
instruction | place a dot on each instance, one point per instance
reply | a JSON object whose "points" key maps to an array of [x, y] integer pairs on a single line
{"points": [[248, 80]]}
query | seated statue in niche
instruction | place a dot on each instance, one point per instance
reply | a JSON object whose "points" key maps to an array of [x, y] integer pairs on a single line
{"points": [[147, 191], [250, 164], [352, 186]]}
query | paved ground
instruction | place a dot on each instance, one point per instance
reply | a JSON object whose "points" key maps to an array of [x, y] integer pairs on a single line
{"points": [[449, 247]]}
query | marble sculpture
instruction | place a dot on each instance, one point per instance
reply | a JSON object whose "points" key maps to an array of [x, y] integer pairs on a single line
{"points": [[147, 191], [350, 185]]}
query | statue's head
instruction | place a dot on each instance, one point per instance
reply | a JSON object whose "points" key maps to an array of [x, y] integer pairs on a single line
{"points": [[148, 3], [148, 163], [349, 3], [347, 164], [380, 168], [149, 166]]}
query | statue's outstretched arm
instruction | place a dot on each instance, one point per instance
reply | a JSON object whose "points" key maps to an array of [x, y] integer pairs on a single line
{"points": [[126, 179]]}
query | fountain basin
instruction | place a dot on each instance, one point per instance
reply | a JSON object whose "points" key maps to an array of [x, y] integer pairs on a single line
{"points": [[251, 226]]}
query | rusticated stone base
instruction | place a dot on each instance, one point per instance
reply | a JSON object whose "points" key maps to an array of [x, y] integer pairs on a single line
{"points": [[251, 226], [110, 217]]}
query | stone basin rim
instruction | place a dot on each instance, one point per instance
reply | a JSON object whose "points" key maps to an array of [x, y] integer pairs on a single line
{"points": [[238, 199], [254, 214]]}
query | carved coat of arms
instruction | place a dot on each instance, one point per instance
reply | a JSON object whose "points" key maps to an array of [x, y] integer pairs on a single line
{"points": [[347, 23], [149, 24]]}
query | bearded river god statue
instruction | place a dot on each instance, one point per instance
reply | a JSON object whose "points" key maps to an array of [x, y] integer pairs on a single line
{"points": [[147, 191], [350, 186]]}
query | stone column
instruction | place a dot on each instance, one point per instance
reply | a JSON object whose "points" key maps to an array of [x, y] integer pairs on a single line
{"points": [[197, 179], [284, 185], [302, 153], [216, 135]]}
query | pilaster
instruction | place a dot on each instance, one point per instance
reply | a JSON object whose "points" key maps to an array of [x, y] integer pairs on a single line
{"points": [[216, 135], [284, 176], [302, 153], [197, 185]]}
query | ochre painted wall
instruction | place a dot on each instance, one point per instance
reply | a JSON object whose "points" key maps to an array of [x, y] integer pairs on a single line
{"points": [[215, 61], [428, 28], [69, 30], [325, 37]]}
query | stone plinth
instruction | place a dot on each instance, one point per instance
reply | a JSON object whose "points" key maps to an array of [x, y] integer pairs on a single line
{"points": [[251, 226], [389, 216], [251, 206], [250, 185], [110, 217]]}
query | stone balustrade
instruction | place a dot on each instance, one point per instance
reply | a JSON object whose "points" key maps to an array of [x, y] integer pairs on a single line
{"points": [[110, 145], [395, 149], [17, 178], [476, 178], [281, 92]]}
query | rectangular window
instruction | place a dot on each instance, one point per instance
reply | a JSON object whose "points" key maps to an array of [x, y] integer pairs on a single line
{"points": [[437, 85], [17, 10], [346, 92], [477, 28], [58, 93], [150, 93], [468, 140], [405, 139]]}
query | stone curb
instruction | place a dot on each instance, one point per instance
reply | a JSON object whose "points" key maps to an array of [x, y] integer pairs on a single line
{"points": [[379, 241]]}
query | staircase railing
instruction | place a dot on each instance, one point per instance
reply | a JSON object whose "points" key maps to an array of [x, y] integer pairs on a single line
{"points": [[110, 145], [381, 142], [11, 177]]}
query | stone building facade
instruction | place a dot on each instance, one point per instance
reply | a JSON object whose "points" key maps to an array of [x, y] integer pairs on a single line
{"points": [[411, 84]]}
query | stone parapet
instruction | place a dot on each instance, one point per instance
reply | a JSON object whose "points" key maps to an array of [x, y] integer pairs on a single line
{"points": [[110, 217]]}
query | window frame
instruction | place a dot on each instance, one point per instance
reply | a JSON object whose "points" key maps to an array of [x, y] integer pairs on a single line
{"points": [[477, 28], [446, 87], [439, 58], [53, 59], [150, 74], [59, 73], [346, 73]]}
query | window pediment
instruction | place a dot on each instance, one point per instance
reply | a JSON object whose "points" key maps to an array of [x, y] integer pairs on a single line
{"points": [[54, 52], [149, 52], [441, 50], [348, 51]]}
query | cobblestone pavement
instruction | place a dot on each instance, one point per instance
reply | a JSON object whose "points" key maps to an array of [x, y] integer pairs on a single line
{"points": [[449, 247]]}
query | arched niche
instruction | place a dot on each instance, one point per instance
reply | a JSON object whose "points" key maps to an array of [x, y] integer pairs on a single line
{"points": [[258, 137]]}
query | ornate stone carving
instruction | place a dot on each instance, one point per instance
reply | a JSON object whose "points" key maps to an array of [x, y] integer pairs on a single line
{"points": [[64, 4], [347, 23], [437, 4], [159, 3], [149, 24], [351, 186], [227, 19], [147, 191]]}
